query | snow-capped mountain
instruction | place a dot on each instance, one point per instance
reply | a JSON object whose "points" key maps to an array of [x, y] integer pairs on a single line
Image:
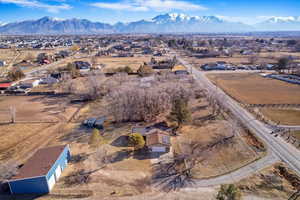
{"points": [[280, 24], [48, 25], [181, 23], [165, 23]]}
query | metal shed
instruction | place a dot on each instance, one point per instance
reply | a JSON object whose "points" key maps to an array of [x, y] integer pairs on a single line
{"points": [[40, 173]]}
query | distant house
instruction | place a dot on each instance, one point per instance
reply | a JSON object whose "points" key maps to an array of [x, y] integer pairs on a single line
{"points": [[40, 173], [179, 70], [158, 142], [48, 81], [2, 63], [4, 86], [82, 65], [95, 122]]}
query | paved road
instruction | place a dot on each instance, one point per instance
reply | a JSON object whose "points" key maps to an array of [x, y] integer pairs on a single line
{"points": [[276, 145]]}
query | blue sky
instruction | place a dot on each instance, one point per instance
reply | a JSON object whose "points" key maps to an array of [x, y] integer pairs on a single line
{"points": [[112, 11]]}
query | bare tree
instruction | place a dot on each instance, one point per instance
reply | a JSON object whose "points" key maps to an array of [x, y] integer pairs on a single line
{"points": [[253, 59]]}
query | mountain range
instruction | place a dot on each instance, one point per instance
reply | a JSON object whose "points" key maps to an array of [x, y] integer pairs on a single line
{"points": [[166, 23]]}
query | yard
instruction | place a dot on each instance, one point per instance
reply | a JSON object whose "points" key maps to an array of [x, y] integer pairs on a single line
{"points": [[252, 88], [35, 108]]}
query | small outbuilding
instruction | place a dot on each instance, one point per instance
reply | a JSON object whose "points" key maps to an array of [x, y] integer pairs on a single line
{"points": [[40, 173], [95, 122]]}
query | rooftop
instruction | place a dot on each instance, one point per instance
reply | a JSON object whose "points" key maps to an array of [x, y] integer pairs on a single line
{"points": [[158, 137], [40, 163]]}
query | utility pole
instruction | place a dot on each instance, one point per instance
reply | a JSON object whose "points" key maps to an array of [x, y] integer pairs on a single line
{"points": [[13, 114]]}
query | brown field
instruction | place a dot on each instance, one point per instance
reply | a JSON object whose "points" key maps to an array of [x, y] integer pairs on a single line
{"points": [[296, 134], [219, 160], [34, 108], [269, 184], [277, 55], [39, 120], [284, 116], [234, 60], [254, 89], [225, 158]]}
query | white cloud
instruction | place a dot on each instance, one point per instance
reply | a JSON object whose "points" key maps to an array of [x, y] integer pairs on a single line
{"points": [[145, 5], [37, 4]]}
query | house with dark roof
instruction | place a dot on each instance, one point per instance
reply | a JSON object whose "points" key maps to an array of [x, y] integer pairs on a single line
{"points": [[40, 173]]}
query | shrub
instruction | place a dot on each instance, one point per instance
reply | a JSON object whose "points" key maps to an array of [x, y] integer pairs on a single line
{"points": [[137, 141], [15, 74], [95, 139]]}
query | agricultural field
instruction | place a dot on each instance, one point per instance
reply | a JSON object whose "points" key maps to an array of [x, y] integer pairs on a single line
{"points": [[284, 116], [251, 88], [236, 59]]}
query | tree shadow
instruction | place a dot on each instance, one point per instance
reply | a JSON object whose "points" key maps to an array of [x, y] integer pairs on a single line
{"points": [[79, 135], [145, 154], [120, 155], [121, 141]]}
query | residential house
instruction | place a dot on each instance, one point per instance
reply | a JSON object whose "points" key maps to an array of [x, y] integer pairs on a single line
{"points": [[158, 141], [2, 63]]}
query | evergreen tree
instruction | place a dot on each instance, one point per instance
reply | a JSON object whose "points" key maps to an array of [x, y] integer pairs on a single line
{"points": [[229, 192], [180, 112], [95, 139]]}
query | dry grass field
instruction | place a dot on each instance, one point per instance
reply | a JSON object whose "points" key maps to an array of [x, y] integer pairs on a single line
{"points": [[35, 108], [222, 159], [296, 134], [270, 183], [284, 116], [39, 119], [10, 55], [276, 55], [254, 89], [234, 60]]}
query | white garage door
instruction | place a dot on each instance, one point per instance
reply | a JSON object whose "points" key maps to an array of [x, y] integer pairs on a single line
{"points": [[57, 172], [51, 182], [158, 149]]}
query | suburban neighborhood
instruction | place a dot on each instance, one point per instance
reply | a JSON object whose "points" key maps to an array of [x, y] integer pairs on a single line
{"points": [[176, 107]]}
